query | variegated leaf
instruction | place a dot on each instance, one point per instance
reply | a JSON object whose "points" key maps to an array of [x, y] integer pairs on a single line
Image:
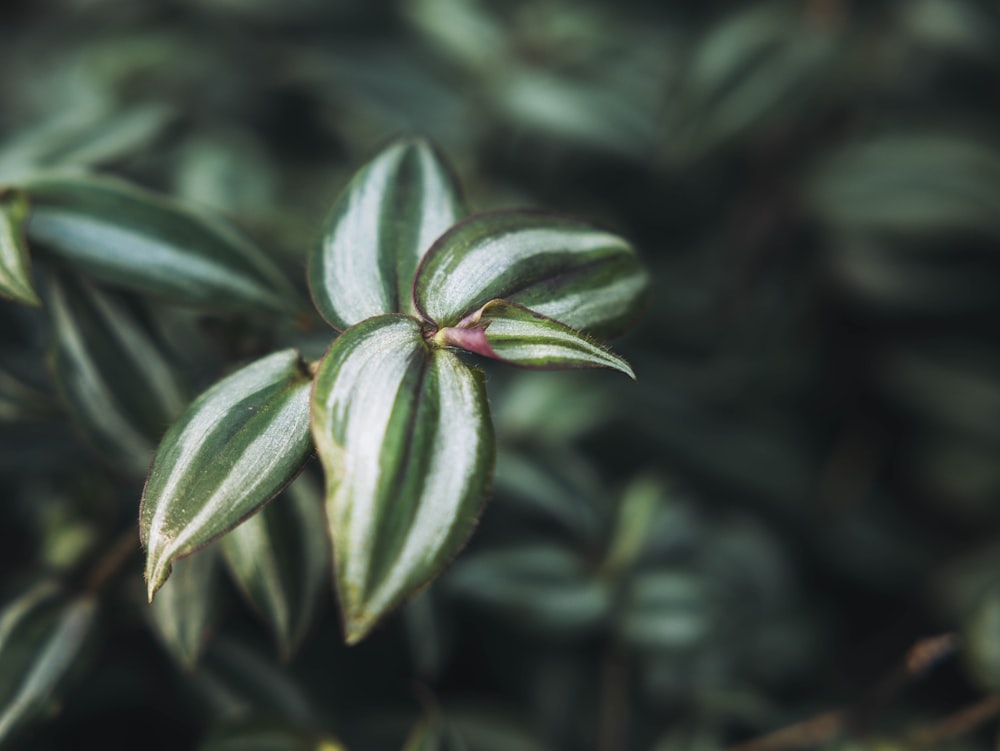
{"points": [[404, 434], [15, 274], [41, 638], [188, 608], [119, 388], [280, 559], [382, 224], [130, 237], [564, 269], [512, 333], [233, 450]]}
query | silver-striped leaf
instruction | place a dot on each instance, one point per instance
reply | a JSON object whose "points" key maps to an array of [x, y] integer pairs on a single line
{"points": [[119, 388], [280, 560], [42, 637], [127, 236], [380, 227], [404, 434], [584, 277], [189, 607], [505, 331], [15, 274], [232, 451]]}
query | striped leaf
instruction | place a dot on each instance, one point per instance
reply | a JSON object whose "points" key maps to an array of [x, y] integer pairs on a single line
{"points": [[189, 607], [512, 333], [116, 384], [122, 235], [231, 452], [406, 441], [15, 275], [42, 636], [564, 269], [280, 560], [380, 227]]}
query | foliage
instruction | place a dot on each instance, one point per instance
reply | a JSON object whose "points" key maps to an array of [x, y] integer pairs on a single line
{"points": [[278, 258]]}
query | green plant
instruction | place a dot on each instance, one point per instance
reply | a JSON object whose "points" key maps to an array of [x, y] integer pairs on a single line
{"points": [[401, 423]]}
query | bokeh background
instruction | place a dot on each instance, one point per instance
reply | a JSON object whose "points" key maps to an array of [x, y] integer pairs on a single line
{"points": [[802, 486]]}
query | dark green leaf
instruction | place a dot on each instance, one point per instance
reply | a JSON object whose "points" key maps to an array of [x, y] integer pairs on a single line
{"points": [[561, 268], [666, 610], [120, 389], [15, 274], [188, 608], [380, 227], [131, 237], [41, 636], [266, 735], [280, 558], [514, 334], [234, 449], [405, 438]]}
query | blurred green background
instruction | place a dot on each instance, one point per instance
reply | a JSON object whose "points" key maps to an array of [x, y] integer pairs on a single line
{"points": [[803, 484]]}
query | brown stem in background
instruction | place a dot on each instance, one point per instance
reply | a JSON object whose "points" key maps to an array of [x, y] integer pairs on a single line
{"points": [[958, 724], [612, 728]]}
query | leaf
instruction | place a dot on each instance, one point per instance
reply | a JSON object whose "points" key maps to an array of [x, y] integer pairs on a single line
{"points": [[666, 610], [119, 388], [514, 334], [188, 608], [405, 438], [231, 452], [380, 227], [126, 236], [257, 734], [535, 586], [563, 269], [41, 638], [280, 560], [15, 276]]}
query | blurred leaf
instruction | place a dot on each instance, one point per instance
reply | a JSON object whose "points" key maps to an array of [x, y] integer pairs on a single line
{"points": [[503, 331], [266, 735], [229, 172], [981, 638], [41, 638], [280, 559], [637, 514], [909, 185], [407, 446], [189, 607], [20, 400], [234, 681], [130, 237], [537, 587], [112, 378], [380, 227], [235, 448], [666, 610], [555, 408], [428, 635], [955, 26], [466, 729], [562, 268], [15, 274]]}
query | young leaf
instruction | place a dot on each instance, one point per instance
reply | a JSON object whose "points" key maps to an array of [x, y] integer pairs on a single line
{"points": [[382, 224], [116, 384], [188, 608], [406, 441], [234, 449], [561, 268], [41, 637], [131, 237], [505, 331], [280, 559], [15, 277]]}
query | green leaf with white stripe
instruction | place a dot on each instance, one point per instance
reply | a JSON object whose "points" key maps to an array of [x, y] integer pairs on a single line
{"points": [[404, 435], [564, 269], [504, 331], [15, 275], [380, 227], [231, 452], [280, 559], [42, 638], [117, 385], [189, 607], [130, 237]]}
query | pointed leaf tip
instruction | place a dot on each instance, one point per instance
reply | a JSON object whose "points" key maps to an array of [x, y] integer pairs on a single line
{"points": [[15, 273]]}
